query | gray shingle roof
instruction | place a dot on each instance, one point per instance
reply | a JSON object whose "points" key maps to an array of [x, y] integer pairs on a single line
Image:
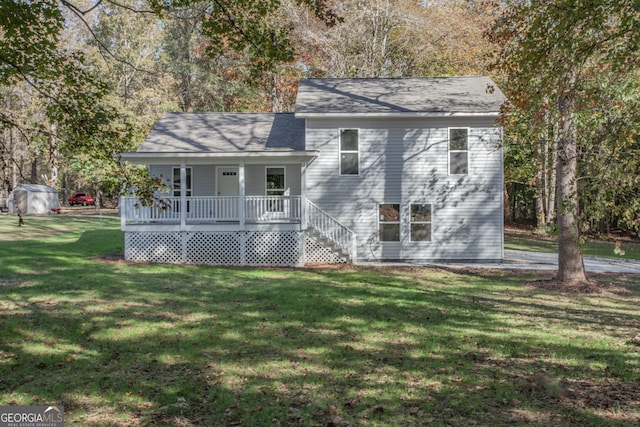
{"points": [[225, 133], [439, 95]]}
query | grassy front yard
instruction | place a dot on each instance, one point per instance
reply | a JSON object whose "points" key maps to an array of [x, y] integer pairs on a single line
{"points": [[136, 344]]}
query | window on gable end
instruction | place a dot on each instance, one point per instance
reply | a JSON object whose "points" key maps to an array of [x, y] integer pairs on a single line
{"points": [[458, 151], [349, 152]]}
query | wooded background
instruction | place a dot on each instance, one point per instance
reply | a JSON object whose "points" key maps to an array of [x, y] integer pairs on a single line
{"points": [[81, 82]]}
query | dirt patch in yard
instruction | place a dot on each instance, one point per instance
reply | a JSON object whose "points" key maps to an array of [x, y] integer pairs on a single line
{"points": [[586, 287], [113, 258], [86, 210]]}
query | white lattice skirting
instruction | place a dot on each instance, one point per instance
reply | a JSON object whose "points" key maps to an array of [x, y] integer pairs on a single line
{"points": [[317, 254], [257, 248], [254, 248]]}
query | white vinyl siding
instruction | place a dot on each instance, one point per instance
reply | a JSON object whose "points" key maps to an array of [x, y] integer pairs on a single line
{"points": [[407, 161], [256, 179], [204, 178]]}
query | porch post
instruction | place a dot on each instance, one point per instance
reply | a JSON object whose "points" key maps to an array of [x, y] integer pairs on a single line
{"points": [[303, 213], [303, 196], [241, 193], [183, 195], [123, 213]]}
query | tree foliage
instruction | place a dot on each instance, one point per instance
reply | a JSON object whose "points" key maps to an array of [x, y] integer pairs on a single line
{"points": [[555, 57], [92, 96], [395, 38], [83, 81]]}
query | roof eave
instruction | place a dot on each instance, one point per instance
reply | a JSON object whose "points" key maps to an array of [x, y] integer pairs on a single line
{"points": [[251, 156]]}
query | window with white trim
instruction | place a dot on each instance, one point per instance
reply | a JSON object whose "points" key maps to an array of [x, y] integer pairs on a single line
{"points": [[389, 222], [421, 222], [275, 186], [176, 182], [176, 188], [349, 152], [275, 181], [458, 151]]}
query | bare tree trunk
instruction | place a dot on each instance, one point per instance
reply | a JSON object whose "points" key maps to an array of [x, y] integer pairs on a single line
{"points": [[570, 262], [276, 102], [541, 188], [552, 182], [507, 204], [4, 157], [33, 179], [53, 156]]}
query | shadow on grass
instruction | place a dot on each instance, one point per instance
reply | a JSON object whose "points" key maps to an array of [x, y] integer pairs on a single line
{"points": [[127, 344]]}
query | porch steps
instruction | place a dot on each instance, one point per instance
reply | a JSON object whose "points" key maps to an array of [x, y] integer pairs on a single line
{"points": [[329, 233], [329, 244]]}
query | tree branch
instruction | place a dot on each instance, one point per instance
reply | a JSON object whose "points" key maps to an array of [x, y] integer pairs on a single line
{"points": [[104, 47], [31, 83]]}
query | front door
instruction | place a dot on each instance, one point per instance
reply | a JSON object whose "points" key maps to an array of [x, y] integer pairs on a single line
{"points": [[228, 184], [228, 192]]}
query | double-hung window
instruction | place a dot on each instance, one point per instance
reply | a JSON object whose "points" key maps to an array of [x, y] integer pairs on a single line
{"points": [[421, 223], [176, 182], [349, 152], [177, 187], [458, 151], [275, 186], [389, 222]]}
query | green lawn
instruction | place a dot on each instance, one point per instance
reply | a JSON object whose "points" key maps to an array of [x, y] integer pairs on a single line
{"points": [[138, 344]]}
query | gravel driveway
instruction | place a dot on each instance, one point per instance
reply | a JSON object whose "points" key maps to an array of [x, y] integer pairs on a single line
{"points": [[544, 261]]}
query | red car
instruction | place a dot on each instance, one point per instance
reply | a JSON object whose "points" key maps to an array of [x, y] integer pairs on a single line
{"points": [[83, 199]]}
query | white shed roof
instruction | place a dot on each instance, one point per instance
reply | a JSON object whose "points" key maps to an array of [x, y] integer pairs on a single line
{"points": [[36, 188]]}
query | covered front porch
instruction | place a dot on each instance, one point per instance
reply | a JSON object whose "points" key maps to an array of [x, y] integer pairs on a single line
{"points": [[259, 216], [221, 192], [232, 192], [213, 210]]}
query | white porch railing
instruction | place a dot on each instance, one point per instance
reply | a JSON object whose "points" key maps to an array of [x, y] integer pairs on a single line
{"points": [[329, 228], [272, 208], [216, 209], [212, 209], [133, 212]]}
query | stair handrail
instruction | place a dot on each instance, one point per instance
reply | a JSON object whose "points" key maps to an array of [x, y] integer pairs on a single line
{"points": [[331, 229]]}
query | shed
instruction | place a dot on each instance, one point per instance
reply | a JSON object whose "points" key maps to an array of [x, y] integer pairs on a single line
{"points": [[33, 199]]}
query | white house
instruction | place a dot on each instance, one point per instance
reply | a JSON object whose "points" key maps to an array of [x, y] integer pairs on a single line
{"points": [[364, 170]]}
